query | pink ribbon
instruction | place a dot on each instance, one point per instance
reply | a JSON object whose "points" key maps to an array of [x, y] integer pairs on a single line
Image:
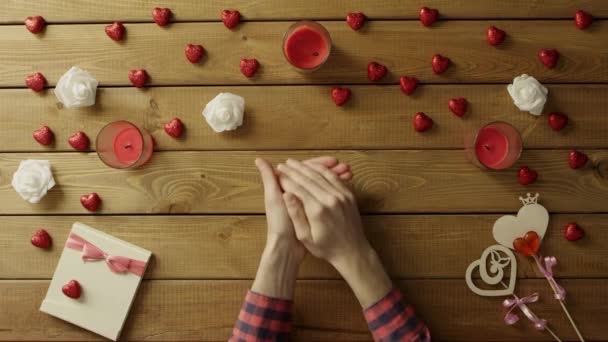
{"points": [[511, 317], [117, 264], [547, 271]]}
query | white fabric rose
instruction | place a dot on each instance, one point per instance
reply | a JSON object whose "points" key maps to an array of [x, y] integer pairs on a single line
{"points": [[76, 88], [33, 179], [528, 94], [225, 112]]}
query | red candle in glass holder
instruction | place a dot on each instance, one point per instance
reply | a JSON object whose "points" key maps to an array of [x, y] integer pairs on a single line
{"points": [[123, 145], [497, 146], [307, 45]]}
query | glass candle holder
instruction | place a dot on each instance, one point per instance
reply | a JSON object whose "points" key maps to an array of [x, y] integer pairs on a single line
{"points": [[495, 146], [306, 45], [123, 145]]}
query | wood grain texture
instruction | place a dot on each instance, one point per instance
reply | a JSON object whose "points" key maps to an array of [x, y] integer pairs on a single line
{"points": [[385, 181], [15, 11], [229, 247], [305, 117], [206, 310], [405, 47]]}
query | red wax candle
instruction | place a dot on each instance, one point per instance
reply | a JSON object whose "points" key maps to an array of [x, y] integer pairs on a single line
{"points": [[128, 145], [122, 145], [307, 45], [497, 146]]}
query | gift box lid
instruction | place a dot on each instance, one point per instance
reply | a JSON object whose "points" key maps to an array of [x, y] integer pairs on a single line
{"points": [[107, 288]]}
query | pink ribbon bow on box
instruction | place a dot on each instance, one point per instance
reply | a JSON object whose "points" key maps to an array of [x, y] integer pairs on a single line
{"points": [[117, 264]]}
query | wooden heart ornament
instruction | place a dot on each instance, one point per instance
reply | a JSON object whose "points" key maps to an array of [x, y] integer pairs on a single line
{"points": [[498, 257], [525, 230]]}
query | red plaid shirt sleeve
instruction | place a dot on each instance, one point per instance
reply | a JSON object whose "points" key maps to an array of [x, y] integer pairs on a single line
{"points": [[263, 319], [390, 320]]}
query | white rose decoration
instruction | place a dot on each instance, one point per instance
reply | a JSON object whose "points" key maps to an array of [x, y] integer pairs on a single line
{"points": [[33, 179], [76, 88], [528, 94], [225, 112]]}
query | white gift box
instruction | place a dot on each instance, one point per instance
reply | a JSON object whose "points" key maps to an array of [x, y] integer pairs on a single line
{"points": [[106, 295]]}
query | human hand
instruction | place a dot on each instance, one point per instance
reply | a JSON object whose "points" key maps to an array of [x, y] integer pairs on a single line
{"points": [[326, 220], [283, 252]]}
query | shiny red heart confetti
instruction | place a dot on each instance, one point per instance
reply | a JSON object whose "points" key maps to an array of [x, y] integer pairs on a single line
{"points": [[408, 84], [116, 31], [161, 16], [440, 64], [557, 121], [458, 106], [355, 20], [375, 71], [548, 57], [495, 36], [35, 24], [231, 18], [43, 135], [422, 122], [582, 19], [41, 239], [174, 128], [72, 289], [577, 159], [35, 81], [90, 201], [573, 232], [194, 53], [428, 16], [249, 67], [340, 95], [526, 175], [79, 141], [138, 77]]}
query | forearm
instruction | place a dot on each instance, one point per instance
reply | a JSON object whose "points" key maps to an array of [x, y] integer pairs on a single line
{"points": [[364, 273], [276, 275]]}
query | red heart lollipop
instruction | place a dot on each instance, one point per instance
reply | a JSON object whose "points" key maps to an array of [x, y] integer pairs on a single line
{"points": [[528, 245]]}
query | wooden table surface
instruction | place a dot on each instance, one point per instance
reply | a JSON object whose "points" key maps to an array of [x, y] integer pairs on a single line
{"points": [[198, 204]]}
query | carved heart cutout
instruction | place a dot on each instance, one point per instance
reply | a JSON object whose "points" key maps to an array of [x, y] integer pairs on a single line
{"points": [[497, 265], [531, 217]]}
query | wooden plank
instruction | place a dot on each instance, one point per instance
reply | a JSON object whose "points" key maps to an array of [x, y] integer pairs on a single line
{"points": [[405, 47], [304, 117], [14, 11], [386, 181], [229, 247], [206, 310]]}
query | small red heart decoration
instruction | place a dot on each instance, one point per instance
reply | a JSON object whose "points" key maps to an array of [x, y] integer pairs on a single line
{"points": [[174, 128], [91, 201], [355, 20], [72, 289], [161, 16], [440, 63], [495, 36], [41, 239], [340, 95], [116, 31], [375, 71], [458, 106], [528, 245], [582, 19], [548, 57], [231, 18], [577, 159], [408, 84], [138, 77], [428, 16], [558, 121], [79, 141], [35, 81], [35, 24], [422, 122], [194, 53], [43, 135], [527, 175], [573, 232], [249, 66]]}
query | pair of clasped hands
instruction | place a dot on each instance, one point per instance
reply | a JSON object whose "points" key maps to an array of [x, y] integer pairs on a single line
{"points": [[310, 207]]}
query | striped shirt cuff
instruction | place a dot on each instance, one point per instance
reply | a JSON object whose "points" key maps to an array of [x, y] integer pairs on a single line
{"points": [[391, 320], [263, 319]]}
